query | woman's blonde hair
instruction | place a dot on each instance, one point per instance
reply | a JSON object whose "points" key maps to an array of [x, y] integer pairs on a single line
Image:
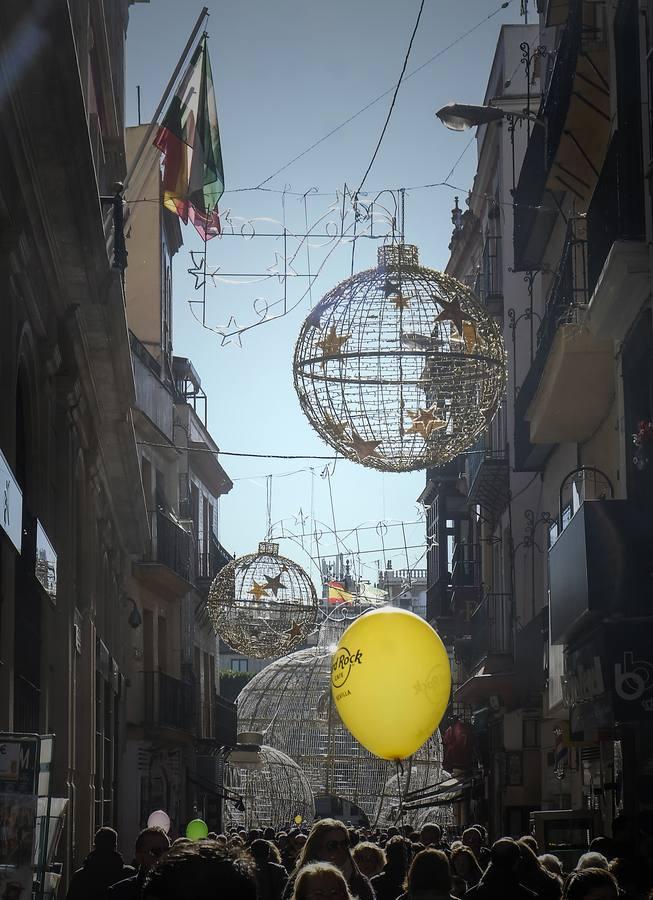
{"points": [[320, 868], [371, 851], [314, 840]]}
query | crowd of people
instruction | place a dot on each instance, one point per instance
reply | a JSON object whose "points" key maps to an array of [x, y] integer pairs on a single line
{"points": [[335, 862]]}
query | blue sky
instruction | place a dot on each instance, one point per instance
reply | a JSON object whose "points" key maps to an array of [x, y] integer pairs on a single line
{"points": [[286, 73]]}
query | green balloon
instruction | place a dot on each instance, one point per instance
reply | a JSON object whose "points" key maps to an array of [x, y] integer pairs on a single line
{"points": [[197, 830]]}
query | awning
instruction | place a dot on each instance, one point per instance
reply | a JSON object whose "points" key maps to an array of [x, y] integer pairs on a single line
{"points": [[449, 791], [484, 684]]}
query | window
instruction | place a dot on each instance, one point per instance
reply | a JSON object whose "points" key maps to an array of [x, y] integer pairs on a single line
{"points": [[239, 665], [531, 734]]}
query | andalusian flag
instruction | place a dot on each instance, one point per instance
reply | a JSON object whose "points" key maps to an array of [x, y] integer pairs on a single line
{"points": [[189, 138]]}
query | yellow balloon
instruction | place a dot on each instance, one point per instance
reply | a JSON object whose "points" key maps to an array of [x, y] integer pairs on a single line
{"points": [[391, 680]]}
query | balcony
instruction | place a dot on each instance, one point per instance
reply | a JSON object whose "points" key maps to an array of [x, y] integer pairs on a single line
{"points": [[489, 282], [211, 558], [489, 652], [171, 562], [566, 151], [569, 385], [168, 702], [217, 722], [465, 577], [618, 261], [601, 565], [489, 478]]}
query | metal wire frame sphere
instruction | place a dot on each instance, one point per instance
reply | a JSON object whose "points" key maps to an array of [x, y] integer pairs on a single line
{"points": [[273, 788], [262, 604], [390, 808], [290, 701], [400, 367]]}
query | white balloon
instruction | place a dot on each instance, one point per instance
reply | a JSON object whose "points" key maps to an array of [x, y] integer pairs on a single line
{"points": [[159, 819]]}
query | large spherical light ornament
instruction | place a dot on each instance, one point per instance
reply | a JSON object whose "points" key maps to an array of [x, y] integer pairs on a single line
{"points": [[262, 604], [292, 702], [400, 367], [265, 788]]}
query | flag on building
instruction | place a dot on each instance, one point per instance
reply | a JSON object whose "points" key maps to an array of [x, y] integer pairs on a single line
{"points": [[189, 138], [338, 594]]}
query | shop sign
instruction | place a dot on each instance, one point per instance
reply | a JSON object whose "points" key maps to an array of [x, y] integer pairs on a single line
{"points": [[583, 683], [46, 563], [633, 674], [11, 500], [18, 765]]}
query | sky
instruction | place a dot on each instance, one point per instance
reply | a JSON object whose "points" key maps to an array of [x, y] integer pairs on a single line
{"points": [[286, 73]]}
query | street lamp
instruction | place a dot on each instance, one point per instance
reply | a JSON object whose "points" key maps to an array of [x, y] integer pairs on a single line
{"points": [[461, 116]]}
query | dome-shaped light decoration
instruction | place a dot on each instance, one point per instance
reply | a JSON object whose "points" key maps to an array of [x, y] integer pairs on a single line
{"points": [[270, 787], [262, 604], [291, 702], [400, 367]]}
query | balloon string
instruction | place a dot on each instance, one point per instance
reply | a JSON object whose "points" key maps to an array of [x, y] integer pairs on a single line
{"points": [[400, 814]]}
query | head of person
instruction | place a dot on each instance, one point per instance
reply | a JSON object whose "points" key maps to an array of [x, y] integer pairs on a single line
{"points": [[151, 844], [551, 863], [398, 853], [369, 858], [473, 839], [505, 858], [530, 841], [429, 871], [529, 862], [264, 851], [465, 864], [321, 881], [105, 840], [592, 860], [430, 835], [591, 884], [191, 872], [328, 841]]}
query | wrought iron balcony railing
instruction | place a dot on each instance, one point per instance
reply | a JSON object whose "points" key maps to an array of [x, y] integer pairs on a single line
{"points": [[491, 628], [172, 545], [168, 701]]}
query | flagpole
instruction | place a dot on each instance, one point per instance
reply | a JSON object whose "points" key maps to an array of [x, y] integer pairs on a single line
{"points": [[173, 80]]}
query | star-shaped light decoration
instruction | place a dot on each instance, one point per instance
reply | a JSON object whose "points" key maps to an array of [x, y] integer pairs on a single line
{"points": [[468, 337], [274, 584], [363, 448], [400, 301], [295, 631], [258, 590], [337, 429], [424, 422], [332, 344], [197, 270], [230, 333], [451, 312]]}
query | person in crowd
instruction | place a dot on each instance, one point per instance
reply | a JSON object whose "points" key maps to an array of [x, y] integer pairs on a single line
{"points": [[271, 876], [552, 864], [429, 877], [604, 845], [390, 883], [151, 844], [465, 867], [201, 870], [531, 841], [501, 878], [369, 858], [473, 838], [328, 841], [535, 876], [321, 881], [592, 860], [431, 835], [591, 884], [102, 868]]}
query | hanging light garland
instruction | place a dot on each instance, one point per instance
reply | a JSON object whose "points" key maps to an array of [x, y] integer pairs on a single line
{"points": [[262, 604], [399, 367]]}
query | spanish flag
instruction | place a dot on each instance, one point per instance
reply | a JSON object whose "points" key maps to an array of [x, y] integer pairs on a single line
{"points": [[189, 138], [338, 594]]}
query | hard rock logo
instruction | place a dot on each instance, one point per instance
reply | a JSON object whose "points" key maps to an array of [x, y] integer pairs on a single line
{"points": [[342, 662]]}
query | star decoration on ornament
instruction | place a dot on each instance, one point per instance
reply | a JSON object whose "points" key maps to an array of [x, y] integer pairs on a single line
{"points": [[451, 312], [400, 301], [198, 271], [230, 333], [337, 429], [332, 344], [363, 448], [258, 590], [424, 422], [274, 584], [295, 631], [468, 337]]}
